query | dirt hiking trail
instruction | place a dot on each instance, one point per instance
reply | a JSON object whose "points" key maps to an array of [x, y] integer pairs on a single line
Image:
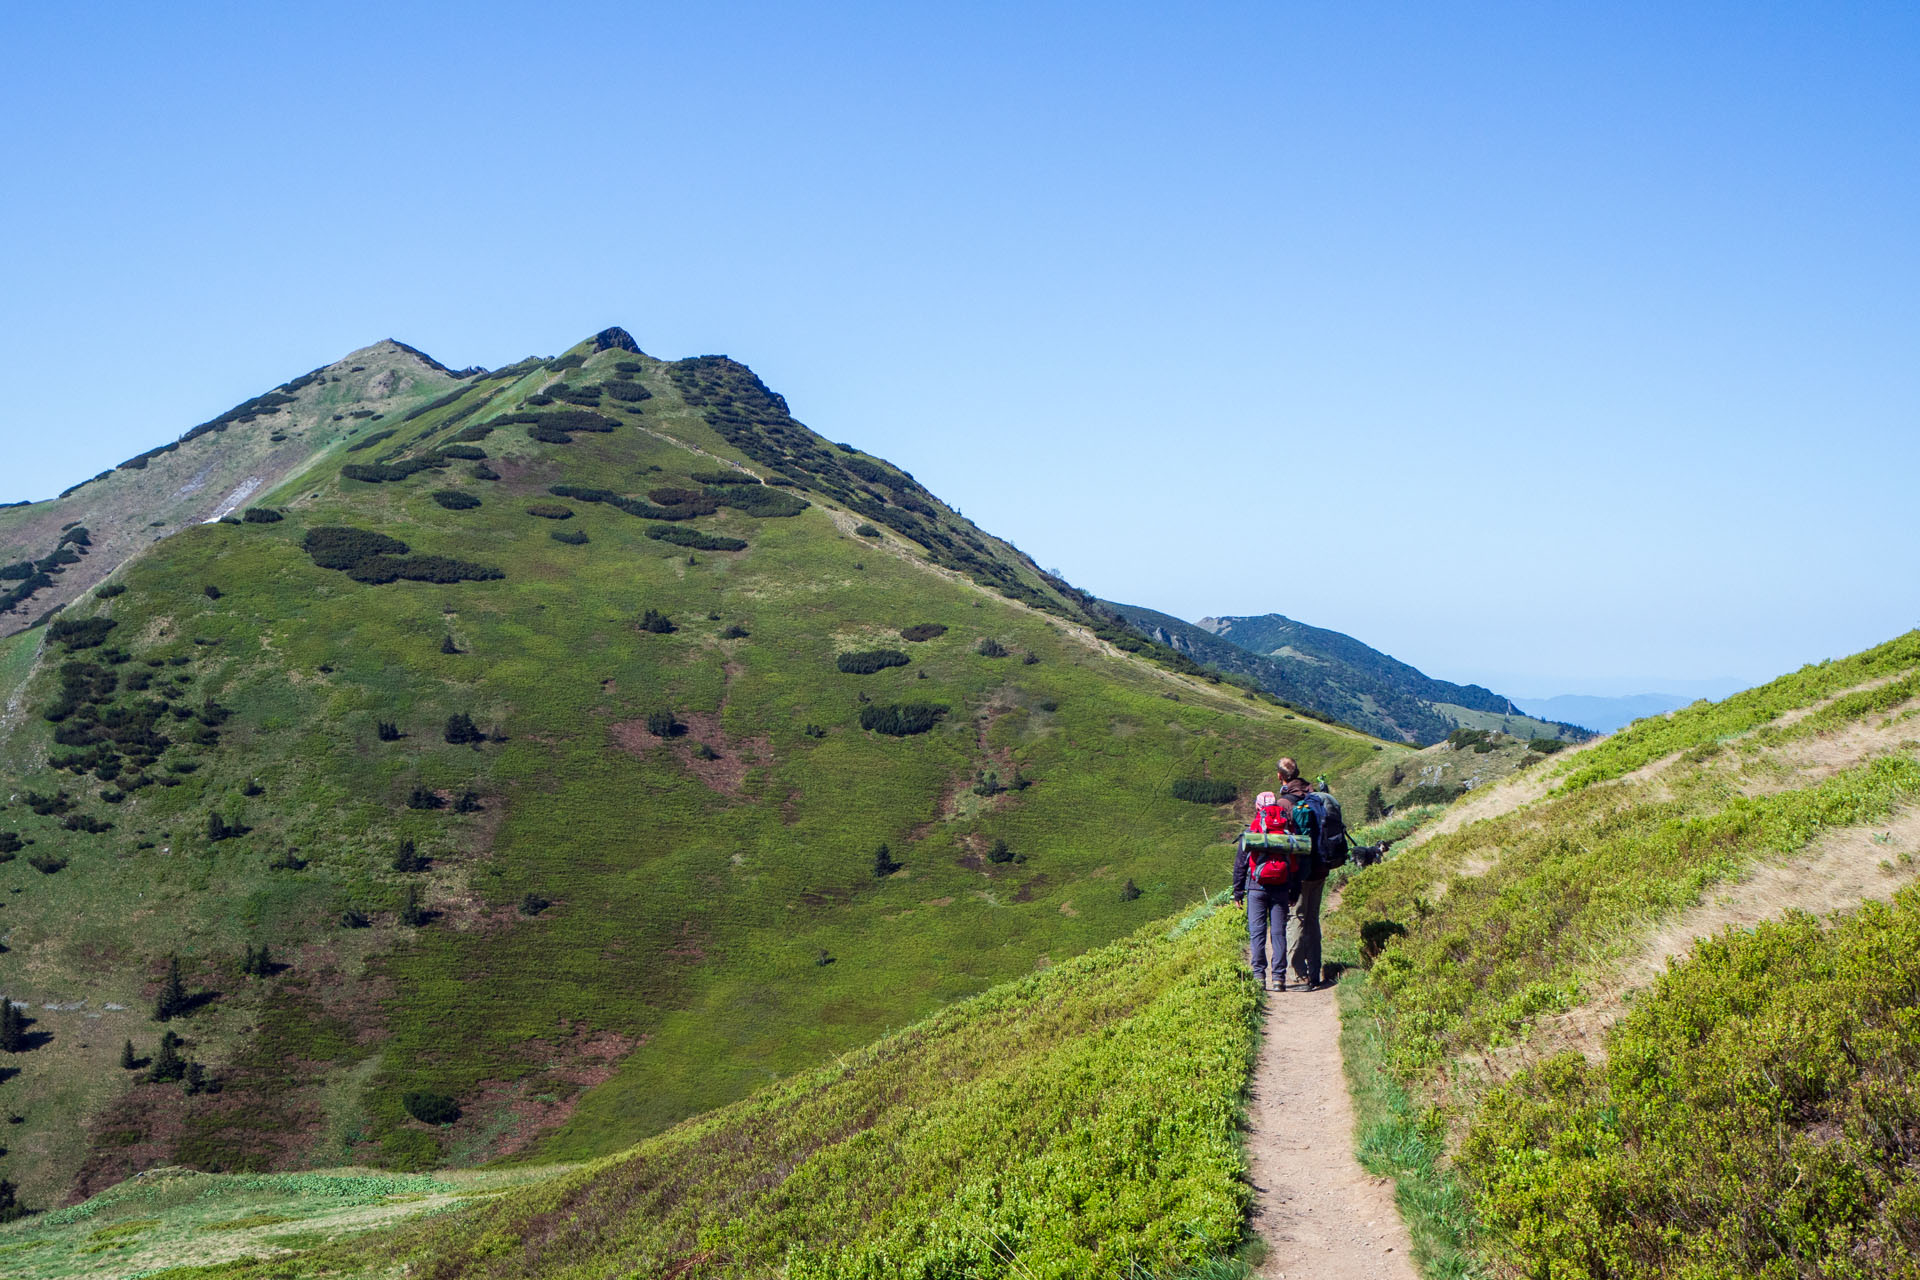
{"points": [[1323, 1216]]}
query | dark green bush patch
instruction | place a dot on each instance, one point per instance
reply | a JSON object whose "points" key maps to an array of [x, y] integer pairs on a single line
{"points": [[866, 531], [431, 1108], [465, 452], [375, 558], [723, 477], [1545, 746], [261, 515], [758, 500], [865, 662], [694, 538], [383, 472], [455, 500], [550, 511], [80, 633], [657, 623], [1204, 790], [572, 537], [111, 590], [368, 441], [341, 547], [627, 392], [990, 648], [902, 719], [923, 631]]}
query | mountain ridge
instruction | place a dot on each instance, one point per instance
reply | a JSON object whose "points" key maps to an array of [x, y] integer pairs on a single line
{"points": [[1341, 677]]}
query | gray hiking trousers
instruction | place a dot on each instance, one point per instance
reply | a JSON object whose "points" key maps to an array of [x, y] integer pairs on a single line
{"points": [[1266, 922]]}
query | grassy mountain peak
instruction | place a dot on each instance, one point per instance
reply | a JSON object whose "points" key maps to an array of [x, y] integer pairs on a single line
{"points": [[565, 751]]}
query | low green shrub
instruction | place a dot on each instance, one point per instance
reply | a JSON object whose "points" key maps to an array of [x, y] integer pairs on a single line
{"points": [[694, 538], [923, 631], [550, 511], [572, 537], [431, 1108], [902, 719], [261, 515], [1429, 793], [455, 499], [1753, 1116], [865, 662], [1205, 790]]}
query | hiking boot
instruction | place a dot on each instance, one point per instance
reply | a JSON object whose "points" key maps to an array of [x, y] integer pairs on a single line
{"points": [[1277, 984]]}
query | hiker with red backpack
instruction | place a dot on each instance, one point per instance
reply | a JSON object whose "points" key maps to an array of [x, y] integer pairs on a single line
{"points": [[1296, 838], [1270, 859]]}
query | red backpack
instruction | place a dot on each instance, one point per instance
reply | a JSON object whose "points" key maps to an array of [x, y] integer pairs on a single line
{"points": [[1275, 851]]}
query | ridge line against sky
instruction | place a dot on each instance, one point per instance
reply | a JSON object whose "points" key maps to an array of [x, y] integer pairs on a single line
{"points": [[1571, 350]]}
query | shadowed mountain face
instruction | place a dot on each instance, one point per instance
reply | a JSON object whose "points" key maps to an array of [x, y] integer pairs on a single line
{"points": [[534, 757], [1340, 677]]}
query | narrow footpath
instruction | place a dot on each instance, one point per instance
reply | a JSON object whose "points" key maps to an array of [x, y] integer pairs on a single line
{"points": [[1323, 1216]]}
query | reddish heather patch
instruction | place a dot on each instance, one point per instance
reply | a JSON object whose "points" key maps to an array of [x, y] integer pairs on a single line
{"points": [[570, 1065], [1026, 891], [692, 944], [524, 476], [726, 773]]}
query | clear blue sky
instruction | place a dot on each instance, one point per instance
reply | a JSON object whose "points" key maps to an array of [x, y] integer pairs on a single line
{"points": [[1567, 348]]}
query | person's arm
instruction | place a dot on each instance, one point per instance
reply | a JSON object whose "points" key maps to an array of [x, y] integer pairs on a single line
{"points": [[1240, 869]]}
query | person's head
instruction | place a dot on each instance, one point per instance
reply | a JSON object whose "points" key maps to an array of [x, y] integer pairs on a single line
{"points": [[1287, 769]]}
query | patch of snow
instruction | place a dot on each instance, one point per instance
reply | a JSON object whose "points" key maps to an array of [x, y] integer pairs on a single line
{"points": [[234, 499]]}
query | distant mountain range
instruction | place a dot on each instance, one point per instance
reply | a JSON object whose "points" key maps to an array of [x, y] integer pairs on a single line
{"points": [[1602, 715], [1341, 677]]}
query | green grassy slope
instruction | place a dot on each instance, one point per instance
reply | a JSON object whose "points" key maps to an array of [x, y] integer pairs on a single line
{"points": [[209, 471], [713, 918], [1080, 1122], [1752, 1112]]}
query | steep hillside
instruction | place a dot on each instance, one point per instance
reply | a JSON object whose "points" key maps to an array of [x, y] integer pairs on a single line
{"points": [[1341, 678], [1660, 991], [1080, 1122], [52, 552], [583, 752]]}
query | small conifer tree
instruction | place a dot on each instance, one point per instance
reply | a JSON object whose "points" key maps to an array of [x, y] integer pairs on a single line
{"points": [[13, 1027], [448, 646], [883, 863], [1129, 891], [128, 1058], [1376, 804], [407, 858], [388, 731], [168, 1065], [999, 852], [172, 1000], [656, 622], [412, 913], [11, 1210]]}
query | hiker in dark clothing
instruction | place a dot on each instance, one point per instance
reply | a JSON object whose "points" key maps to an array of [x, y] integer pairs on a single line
{"points": [[1304, 899], [1268, 903]]}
